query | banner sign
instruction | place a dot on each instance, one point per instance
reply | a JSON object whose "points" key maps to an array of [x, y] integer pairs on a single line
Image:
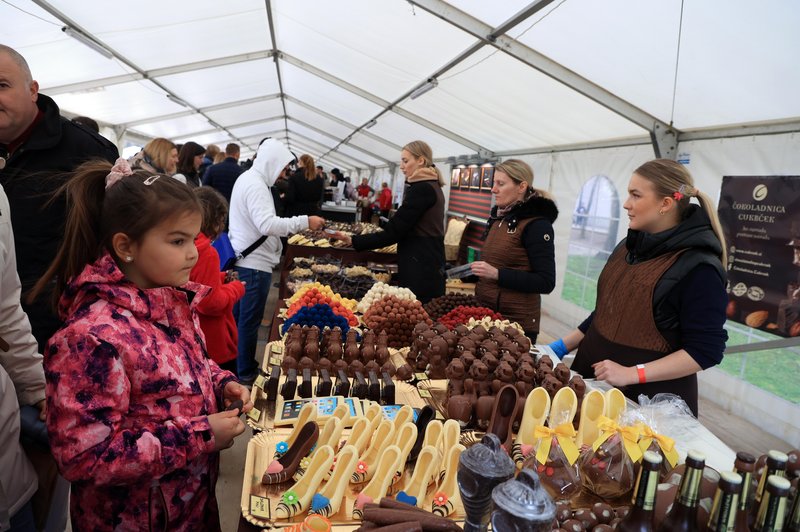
{"points": [[760, 218]]}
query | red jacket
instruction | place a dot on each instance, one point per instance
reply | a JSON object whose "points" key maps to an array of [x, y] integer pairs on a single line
{"points": [[385, 199], [216, 309]]}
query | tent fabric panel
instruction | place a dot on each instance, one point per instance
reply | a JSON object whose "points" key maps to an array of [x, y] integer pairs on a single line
{"points": [[317, 120], [257, 129], [220, 139], [237, 81], [373, 55], [325, 95], [358, 154], [175, 127], [506, 105], [118, 104], [375, 146], [401, 131], [246, 113], [157, 34], [492, 13]]}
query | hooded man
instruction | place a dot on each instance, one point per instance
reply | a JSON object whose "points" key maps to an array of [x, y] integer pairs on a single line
{"points": [[252, 220]]}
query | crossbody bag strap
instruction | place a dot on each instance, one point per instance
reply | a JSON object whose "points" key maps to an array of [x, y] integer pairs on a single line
{"points": [[251, 248]]}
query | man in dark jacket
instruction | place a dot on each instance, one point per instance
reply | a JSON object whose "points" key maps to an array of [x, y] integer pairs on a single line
{"points": [[38, 149], [222, 176]]}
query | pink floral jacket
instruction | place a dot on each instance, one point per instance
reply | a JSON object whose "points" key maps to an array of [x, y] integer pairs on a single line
{"points": [[129, 388]]}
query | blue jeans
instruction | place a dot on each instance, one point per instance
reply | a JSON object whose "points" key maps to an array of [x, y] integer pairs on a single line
{"points": [[23, 520], [248, 313]]}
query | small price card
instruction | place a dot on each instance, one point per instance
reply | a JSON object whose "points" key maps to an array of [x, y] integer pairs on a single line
{"points": [[274, 361], [425, 394], [421, 376], [259, 507], [259, 383], [254, 414]]}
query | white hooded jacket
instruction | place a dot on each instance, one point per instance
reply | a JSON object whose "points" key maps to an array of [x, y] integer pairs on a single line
{"points": [[252, 211], [21, 378]]}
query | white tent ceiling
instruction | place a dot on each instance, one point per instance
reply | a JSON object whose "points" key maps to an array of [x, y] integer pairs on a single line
{"points": [[334, 78]]}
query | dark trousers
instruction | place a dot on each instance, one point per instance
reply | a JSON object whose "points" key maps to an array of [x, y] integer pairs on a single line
{"points": [[248, 313]]}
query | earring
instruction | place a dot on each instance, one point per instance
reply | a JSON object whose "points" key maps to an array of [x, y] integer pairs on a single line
{"points": [[659, 212], [130, 259]]}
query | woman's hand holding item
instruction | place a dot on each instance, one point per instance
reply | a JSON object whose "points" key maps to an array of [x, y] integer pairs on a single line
{"points": [[484, 270], [344, 238], [233, 391], [225, 426], [615, 374]]}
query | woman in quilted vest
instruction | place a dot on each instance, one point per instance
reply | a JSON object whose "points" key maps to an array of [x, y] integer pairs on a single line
{"points": [[661, 297], [518, 255]]}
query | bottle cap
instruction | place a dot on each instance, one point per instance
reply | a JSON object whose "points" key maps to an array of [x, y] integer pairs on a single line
{"points": [[695, 459], [778, 486], [730, 482], [488, 459], [525, 498]]}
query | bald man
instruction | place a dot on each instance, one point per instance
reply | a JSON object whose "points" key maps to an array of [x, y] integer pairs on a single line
{"points": [[38, 149]]}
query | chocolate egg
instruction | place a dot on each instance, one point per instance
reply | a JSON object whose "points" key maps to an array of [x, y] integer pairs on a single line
{"points": [[586, 517], [603, 528], [603, 512], [573, 525]]}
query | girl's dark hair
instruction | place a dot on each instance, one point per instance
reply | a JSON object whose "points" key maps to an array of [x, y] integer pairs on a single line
{"points": [[186, 158], [133, 205], [215, 210]]}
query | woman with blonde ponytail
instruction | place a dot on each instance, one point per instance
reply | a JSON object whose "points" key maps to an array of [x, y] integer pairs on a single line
{"points": [[417, 227], [661, 297]]}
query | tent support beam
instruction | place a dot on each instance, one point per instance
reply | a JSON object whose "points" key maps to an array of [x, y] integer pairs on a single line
{"points": [[209, 109], [341, 122], [343, 156], [271, 22], [157, 72], [665, 141], [306, 145], [377, 100], [540, 62], [334, 137], [231, 126]]}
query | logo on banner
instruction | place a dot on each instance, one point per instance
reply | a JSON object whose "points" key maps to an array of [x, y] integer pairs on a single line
{"points": [[760, 192]]}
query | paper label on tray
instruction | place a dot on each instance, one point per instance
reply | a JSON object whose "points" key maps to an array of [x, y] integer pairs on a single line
{"points": [[276, 348], [421, 376], [260, 507], [273, 361], [254, 414], [259, 382], [425, 394]]}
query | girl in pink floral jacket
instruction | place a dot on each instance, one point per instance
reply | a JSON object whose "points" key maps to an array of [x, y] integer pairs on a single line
{"points": [[135, 408]]}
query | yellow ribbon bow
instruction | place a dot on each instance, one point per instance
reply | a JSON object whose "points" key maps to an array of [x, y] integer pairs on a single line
{"points": [[564, 434], [630, 437], [666, 444]]}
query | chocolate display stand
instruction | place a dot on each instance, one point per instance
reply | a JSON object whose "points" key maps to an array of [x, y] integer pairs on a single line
{"points": [[522, 505], [480, 469]]}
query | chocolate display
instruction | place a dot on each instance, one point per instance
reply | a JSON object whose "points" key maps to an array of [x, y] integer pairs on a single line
{"points": [[438, 307], [397, 317], [522, 505], [608, 472]]}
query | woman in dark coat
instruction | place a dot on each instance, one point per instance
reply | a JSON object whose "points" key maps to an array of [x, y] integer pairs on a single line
{"points": [[417, 227], [304, 191], [518, 255]]}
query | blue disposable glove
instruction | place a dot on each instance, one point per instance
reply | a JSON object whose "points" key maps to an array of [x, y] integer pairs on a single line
{"points": [[559, 348]]}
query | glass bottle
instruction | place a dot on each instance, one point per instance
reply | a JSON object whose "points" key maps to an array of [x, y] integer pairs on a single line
{"points": [[640, 517], [776, 465], [772, 510], [745, 466], [683, 515], [726, 503], [793, 521]]}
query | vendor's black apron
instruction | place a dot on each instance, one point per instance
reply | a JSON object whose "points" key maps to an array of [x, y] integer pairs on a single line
{"points": [[623, 328]]}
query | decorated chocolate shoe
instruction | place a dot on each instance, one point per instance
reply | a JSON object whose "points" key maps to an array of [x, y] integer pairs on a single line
{"points": [[307, 413], [537, 407], [563, 407], [448, 496], [283, 468], [593, 407], [297, 498], [404, 439], [504, 412], [390, 461], [329, 435], [615, 404], [426, 465], [327, 501], [365, 467]]}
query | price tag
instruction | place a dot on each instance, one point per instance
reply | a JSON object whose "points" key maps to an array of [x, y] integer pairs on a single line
{"points": [[274, 361], [425, 394], [259, 383], [421, 376], [254, 414], [259, 507], [277, 349]]}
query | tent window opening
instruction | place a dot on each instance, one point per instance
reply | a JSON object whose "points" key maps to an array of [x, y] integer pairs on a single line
{"points": [[593, 236]]}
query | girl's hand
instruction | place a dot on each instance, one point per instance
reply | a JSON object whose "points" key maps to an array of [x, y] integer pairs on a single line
{"points": [[225, 426], [233, 391], [615, 374], [484, 270]]}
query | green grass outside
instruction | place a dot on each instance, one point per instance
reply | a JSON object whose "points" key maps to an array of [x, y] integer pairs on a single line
{"points": [[774, 370]]}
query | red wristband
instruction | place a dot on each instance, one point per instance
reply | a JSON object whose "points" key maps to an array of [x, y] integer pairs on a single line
{"points": [[640, 371]]}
